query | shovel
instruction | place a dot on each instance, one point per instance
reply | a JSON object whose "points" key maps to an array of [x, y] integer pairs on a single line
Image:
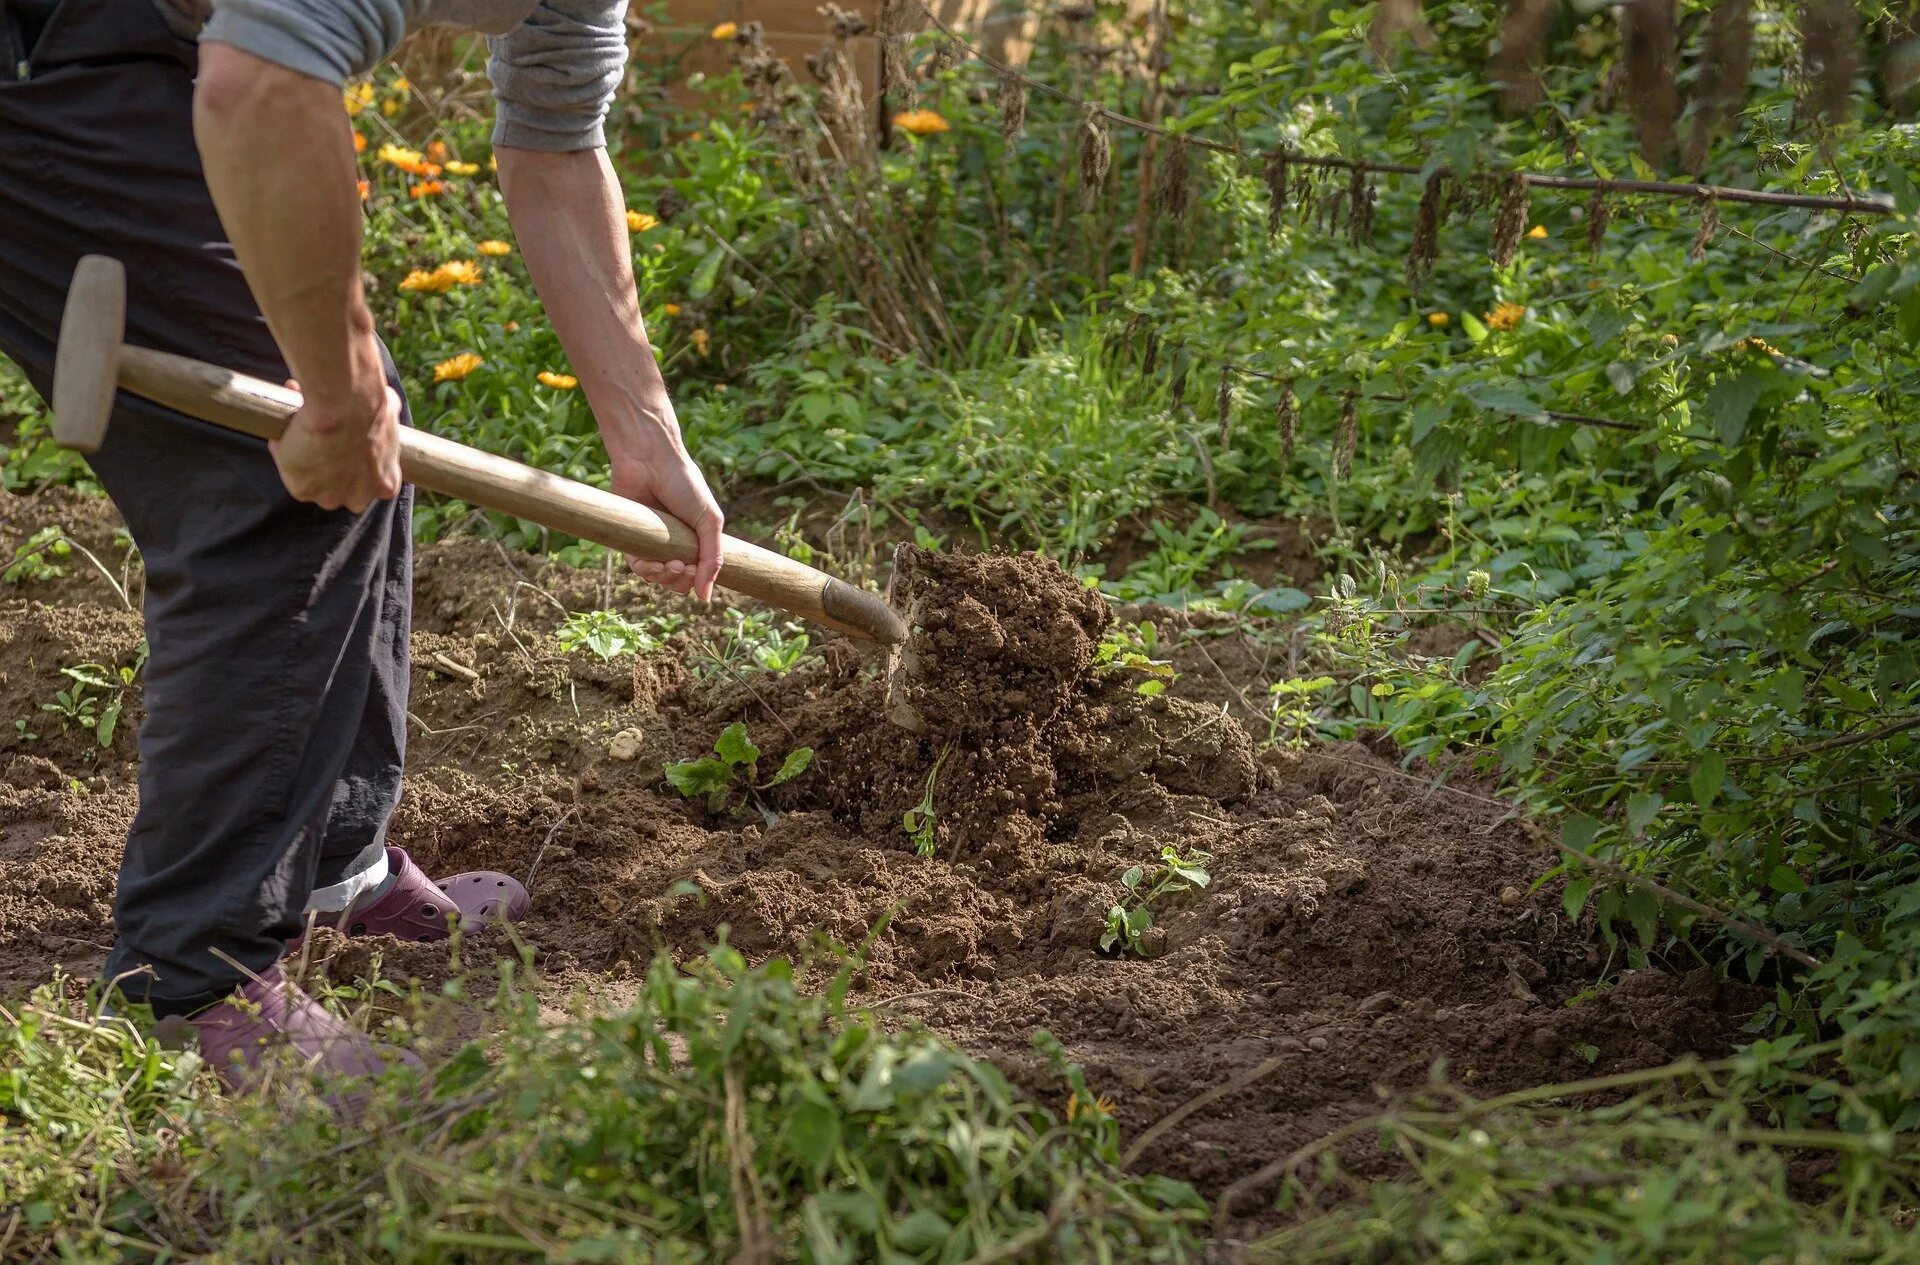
{"points": [[93, 362]]}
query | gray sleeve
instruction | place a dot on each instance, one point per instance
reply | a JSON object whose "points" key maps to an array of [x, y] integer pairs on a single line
{"points": [[555, 74], [333, 40]]}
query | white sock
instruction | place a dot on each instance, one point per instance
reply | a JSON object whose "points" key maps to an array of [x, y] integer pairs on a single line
{"points": [[354, 890]]}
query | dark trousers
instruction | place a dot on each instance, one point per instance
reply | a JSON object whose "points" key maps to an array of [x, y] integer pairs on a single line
{"points": [[276, 685]]}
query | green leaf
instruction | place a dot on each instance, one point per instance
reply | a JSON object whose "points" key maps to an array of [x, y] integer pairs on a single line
{"points": [[1131, 879], [733, 745], [1476, 331], [1580, 831], [1574, 899], [706, 273], [921, 1231], [1730, 403], [1642, 809], [1709, 772], [1784, 879], [792, 767], [700, 777], [813, 1129]]}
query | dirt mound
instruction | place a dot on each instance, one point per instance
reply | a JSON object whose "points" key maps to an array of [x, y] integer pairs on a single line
{"points": [[1359, 929]]}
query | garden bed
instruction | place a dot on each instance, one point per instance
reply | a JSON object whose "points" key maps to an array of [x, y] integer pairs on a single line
{"points": [[1360, 927]]}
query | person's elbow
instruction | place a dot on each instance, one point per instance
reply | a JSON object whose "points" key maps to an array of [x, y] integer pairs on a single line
{"points": [[236, 89]]}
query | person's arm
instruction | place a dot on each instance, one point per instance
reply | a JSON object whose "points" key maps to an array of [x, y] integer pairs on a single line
{"points": [[571, 224], [278, 156]]}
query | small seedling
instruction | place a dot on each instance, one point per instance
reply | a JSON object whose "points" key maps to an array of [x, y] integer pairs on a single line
{"points": [[919, 820], [80, 706], [1128, 921], [755, 641], [31, 560], [733, 768], [1292, 716], [1131, 648], [609, 634], [26, 734]]}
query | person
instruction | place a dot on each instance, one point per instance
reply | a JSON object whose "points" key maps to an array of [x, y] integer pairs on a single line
{"points": [[206, 146]]}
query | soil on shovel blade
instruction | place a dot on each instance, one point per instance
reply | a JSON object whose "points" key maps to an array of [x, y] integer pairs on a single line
{"points": [[1360, 927]]}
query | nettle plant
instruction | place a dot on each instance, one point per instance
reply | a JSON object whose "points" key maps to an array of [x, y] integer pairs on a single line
{"points": [[1129, 920], [733, 770]]}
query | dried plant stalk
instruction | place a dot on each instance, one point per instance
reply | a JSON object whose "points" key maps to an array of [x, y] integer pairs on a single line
{"points": [[1182, 361], [1172, 193], [1151, 359], [1223, 404], [1725, 62], [1523, 43], [1426, 230], [1346, 439], [1013, 107], [1361, 199], [1288, 411], [1096, 155], [1599, 215], [1830, 51], [1277, 190], [1510, 221], [1708, 230], [1647, 32]]}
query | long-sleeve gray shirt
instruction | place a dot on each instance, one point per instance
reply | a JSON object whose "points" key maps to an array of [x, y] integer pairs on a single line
{"points": [[554, 63]]}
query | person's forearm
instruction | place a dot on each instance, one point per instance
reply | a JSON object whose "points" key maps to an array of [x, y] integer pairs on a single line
{"points": [[571, 224], [279, 162]]}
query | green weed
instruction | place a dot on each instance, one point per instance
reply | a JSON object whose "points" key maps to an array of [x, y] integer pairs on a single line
{"points": [[609, 634], [1129, 921], [732, 771]]}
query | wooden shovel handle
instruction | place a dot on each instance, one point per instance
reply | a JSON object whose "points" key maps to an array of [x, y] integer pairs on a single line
{"points": [[262, 409]]}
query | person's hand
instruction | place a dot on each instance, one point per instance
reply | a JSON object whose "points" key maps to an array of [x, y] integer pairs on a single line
{"points": [[667, 479], [341, 458]]}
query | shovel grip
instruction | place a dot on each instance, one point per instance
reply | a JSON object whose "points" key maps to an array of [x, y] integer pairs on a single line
{"points": [[441, 465]]}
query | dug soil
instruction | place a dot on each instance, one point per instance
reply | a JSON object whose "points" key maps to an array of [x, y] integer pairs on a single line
{"points": [[1362, 929]]}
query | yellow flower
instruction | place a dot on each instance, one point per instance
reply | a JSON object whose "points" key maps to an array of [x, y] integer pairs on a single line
{"points": [[402, 84], [558, 381], [702, 341], [920, 122], [672, 309], [358, 97], [1538, 233], [401, 157], [457, 368], [459, 272], [1439, 320], [458, 168], [390, 107], [493, 164], [1505, 316], [639, 222], [1102, 1105], [726, 30], [494, 248], [421, 279]]}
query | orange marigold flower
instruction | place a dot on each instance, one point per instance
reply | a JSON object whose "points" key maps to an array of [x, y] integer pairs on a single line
{"points": [[672, 309], [640, 222], [921, 122], [494, 248], [359, 143], [456, 368], [702, 341], [1505, 316], [366, 190], [1439, 320], [437, 151], [458, 168], [558, 381], [726, 30], [421, 279], [426, 189]]}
